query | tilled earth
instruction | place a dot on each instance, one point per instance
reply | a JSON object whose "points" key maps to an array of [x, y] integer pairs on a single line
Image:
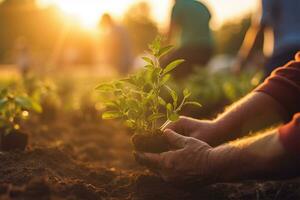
{"points": [[79, 158]]}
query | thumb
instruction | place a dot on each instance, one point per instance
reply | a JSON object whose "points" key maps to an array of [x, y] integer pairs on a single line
{"points": [[175, 139], [153, 161], [297, 57]]}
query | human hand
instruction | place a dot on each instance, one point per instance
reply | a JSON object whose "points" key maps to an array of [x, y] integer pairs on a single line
{"points": [[205, 130], [189, 162]]}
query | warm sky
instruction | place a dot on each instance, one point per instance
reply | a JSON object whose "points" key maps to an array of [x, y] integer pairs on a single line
{"points": [[89, 11]]}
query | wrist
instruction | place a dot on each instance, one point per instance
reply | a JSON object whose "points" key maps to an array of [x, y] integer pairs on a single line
{"points": [[259, 157], [225, 163], [210, 131], [233, 163], [225, 130]]}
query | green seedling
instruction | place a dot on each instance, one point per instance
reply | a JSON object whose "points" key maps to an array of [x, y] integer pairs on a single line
{"points": [[138, 99], [15, 107]]}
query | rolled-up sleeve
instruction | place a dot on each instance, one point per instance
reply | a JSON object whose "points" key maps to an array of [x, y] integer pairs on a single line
{"points": [[284, 86], [289, 135]]}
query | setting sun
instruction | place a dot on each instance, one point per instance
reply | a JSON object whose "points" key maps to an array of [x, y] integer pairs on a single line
{"points": [[86, 13], [89, 12]]}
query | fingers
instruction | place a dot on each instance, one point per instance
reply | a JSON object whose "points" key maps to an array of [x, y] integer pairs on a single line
{"points": [[150, 160], [177, 126], [175, 139], [171, 125]]}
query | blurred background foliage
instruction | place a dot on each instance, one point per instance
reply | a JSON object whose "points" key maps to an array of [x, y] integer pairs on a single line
{"points": [[141, 27], [44, 30], [56, 40]]}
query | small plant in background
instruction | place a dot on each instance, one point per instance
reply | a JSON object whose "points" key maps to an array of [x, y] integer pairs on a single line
{"points": [[14, 108], [44, 92], [138, 100]]}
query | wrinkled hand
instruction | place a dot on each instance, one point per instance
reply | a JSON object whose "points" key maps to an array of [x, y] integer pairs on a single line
{"points": [[204, 130], [189, 162]]}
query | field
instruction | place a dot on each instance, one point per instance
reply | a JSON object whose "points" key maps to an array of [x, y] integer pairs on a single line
{"points": [[74, 154]]}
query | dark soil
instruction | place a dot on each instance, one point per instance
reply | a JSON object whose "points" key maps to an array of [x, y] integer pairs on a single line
{"points": [[71, 158], [15, 140], [150, 142]]}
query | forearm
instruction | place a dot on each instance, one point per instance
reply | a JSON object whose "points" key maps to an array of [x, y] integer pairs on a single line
{"points": [[257, 157], [254, 112]]}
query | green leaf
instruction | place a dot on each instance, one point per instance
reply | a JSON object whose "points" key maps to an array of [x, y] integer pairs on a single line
{"points": [[155, 46], [193, 103], [130, 123], [173, 117], [169, 107], [29, 104], [105, 87], [149, 67], [3, 92], [148, 60], [111, 115], [186, 93], [111, 105], [161, 101], [133, 113], [131, 80], [172, 66], [3, 103], [163, 51], [150, 96], [118, 84], [165, 79], [155, 74], [23, 102], [140, 80], [155, 116], [173, 95], [118, 92], [133, 104], [36, 107]]}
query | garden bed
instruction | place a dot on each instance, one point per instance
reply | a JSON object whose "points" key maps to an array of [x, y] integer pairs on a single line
{"points": [[72, 159]]}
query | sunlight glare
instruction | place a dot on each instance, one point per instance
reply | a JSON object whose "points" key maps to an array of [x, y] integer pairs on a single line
{"points": [[89, 12], [86, 12]]}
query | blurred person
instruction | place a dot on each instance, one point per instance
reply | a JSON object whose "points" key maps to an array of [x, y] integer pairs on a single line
{"points": [[23, 57], [191, 19], [117, 45], [282, 17], [140, 25], [200, 149]]}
